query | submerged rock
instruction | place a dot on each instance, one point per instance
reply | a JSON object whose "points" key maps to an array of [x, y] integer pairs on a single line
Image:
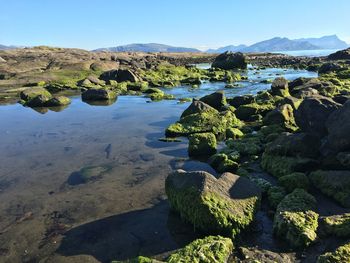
{"points": [[86, 174], [202, 144], [207, 250], [226, 205], [98, 94], [295, 221], [230, 60]]}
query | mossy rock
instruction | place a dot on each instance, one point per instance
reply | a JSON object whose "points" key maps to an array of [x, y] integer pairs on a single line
{"points": [[247, 146], [223, 206], [275, 195], [295, 221], [87, 174], [234, 133], [217, 100], [263, 184], [245, 112], [58, 101], [38, 101], [207, 250], [31, 93], [205, 121], [337, 225], [283, 116], [139, 259], [279, 87], [340, 255], [335, 184], [202, 144], [279, 166], [293, 181], [98, 94]]}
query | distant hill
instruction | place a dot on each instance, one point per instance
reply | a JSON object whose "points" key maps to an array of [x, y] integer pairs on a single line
{"points": [[3, 47], [326, 42], [150, 47], [285, 44], [227, 48]]}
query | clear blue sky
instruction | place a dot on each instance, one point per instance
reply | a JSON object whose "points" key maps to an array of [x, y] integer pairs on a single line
{"points": [[193, 23]]}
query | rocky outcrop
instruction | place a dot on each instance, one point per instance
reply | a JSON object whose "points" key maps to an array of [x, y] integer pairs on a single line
{"points": [[224, 205], [342, 54], [196, 106], [295, 221], [98, 94], [230, 60]]}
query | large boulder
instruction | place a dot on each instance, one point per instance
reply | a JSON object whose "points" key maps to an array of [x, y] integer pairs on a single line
{"points": [[295, 221], [230, 60], [338, 127], [336, 225], [340, 255], [313, 112], [342, 54], [120, 75], [217, 100], [248, 112], [224, 205], [328, 68], [98, 94], [282, 115], [241, 100], [206, 250], [201, 144], [335, 184]]}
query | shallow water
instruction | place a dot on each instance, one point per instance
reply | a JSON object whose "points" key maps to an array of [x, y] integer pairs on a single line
{"points": [[121, 212]]}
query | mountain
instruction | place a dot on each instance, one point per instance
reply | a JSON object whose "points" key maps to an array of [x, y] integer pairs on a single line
{"points": [[326, 42], [227, 48], [3, 47], [150, 47]]}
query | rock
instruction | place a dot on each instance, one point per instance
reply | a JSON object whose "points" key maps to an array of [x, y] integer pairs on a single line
{"points": [[294, 102], [209, 120], [293, 181], [202, 144], [337, 225], [216, 100], [248, 111], [338, 127], [226, 205], [342, 54], [335, 184], [282, 115], [295, 221], [312, 114], [258, 255], [209, 249], [98, 94], [222, 162], [57, 101], [328, 68], [230, 60], [120, 75], [247, 146], [240, 100], [2, 60], [234, 133], [275, 195], [191, 81], [279, 87], [31, 93], [340, 255], [86, 174], [197, 106], [38, 101]]}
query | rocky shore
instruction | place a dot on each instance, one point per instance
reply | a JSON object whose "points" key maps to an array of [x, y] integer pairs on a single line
{"points": [[278, 154]]}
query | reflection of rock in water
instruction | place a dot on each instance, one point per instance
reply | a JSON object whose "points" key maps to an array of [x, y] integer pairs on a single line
{"points": [[58, 108], [123, 236], [100, 102], [41, 110], [86, 174]]}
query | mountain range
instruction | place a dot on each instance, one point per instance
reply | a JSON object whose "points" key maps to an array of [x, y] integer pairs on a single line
{"points": [[270, 45]]}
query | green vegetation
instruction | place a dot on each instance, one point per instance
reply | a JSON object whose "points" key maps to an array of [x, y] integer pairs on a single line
{"points": [[202, 144], [337, 225], [340, 255], [293, 181]]}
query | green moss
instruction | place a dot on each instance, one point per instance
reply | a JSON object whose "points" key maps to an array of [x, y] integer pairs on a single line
{"points": [[279, 166], [294, 219], [30, 93], [139, 259], [275, 195], [263, 184], [245, 112], [206, 121], [247, 146], [293, 181], [227, 166], [335, 184], [202, 144], [206, 250], [234, 133], [337, 225], [340, 255]]}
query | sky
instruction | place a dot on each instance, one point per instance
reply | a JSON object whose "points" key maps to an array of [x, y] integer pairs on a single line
{"points": [[201, 24]]}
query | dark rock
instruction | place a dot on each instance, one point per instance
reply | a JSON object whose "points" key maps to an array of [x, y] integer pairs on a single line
{"points": [[98, 94], [216, 100], [58, 101], [342, 54], [196, 106], [329, 67], [31, 93], [313, 112], [201, 144], [240, 100], [230, 60], [119, 75], [38, 101], [279, 87]]}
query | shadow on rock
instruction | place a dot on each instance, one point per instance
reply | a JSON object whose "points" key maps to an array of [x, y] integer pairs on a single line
{"points": [[119, 237]]}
